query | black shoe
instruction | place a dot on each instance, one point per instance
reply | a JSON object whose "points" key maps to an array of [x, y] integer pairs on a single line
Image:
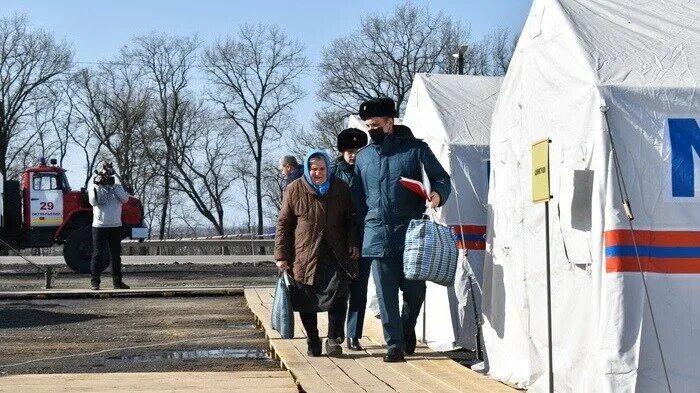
{"points": [[394, 355], [410, 340], [333, 347], [354, 344], [313, 346], [120, 285], [95, 287]]}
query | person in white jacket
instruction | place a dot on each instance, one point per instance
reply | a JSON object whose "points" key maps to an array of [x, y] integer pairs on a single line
{"points": [[106, 198]]}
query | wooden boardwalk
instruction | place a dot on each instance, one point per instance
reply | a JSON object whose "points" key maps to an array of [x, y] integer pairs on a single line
{"points": [[425, 371], [235, 381]]}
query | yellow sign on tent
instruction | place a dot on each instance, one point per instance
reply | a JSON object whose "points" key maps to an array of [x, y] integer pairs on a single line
{"points": [[540, 171]]}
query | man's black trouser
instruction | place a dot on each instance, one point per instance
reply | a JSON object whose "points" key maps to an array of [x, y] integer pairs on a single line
{"points": [[104, 239], [336, 320]]}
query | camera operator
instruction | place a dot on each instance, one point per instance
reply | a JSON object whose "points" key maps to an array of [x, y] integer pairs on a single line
{"points": [[106, 198]]}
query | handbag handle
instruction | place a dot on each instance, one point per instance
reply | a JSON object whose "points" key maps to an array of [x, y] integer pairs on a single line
{"points": [[287, 279], [430, 214]]}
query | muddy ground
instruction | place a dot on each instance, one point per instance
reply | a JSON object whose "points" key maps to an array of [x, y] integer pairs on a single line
{"points": [[137, 334], [134, 334]]}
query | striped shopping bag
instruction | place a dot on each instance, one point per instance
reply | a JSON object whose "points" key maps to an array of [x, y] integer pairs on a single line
{"points": [[430, 253]]}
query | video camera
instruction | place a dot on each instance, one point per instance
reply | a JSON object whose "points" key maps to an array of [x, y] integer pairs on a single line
{"points": [[105, 176]]}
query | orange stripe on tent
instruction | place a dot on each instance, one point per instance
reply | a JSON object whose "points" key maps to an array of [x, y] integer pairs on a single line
{"points": [[473, 229], [620, 237], [653, 265]]}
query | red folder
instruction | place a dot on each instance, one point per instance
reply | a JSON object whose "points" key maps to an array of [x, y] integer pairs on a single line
{"points": [[415, 186]]}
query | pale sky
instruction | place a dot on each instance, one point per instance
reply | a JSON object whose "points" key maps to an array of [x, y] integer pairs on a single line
{"points": [[97, 29]]}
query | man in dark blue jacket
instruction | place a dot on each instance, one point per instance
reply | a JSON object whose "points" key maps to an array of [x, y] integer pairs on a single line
{"points": [[394, 153], [290, 170]]}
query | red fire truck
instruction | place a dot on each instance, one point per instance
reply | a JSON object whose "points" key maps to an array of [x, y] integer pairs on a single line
{"points": [[42, 211]]}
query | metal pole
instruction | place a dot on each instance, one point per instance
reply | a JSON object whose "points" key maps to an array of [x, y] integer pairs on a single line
{"points": [[549, 298], [477, 320], [425, 321], [460, 62]]}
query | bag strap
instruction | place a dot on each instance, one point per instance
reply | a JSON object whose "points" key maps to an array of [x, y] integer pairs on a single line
{"points": [[430, 214], [287, 279]]}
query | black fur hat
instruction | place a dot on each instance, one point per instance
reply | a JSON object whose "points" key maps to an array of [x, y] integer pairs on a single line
{"points": [[351, 138], [378, 107]]}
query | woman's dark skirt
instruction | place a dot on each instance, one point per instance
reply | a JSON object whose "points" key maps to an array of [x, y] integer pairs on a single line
{"points": [[330, 282]]}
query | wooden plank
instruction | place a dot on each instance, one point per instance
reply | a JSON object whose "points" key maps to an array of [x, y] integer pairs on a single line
{"points": [[297, 363], [266, 294], [263, 316], [334, 376], [377, 373], [461, 374], [441, 370], [459, 377], [151, 382], [251, 296], [389, 376], [367, 379], [417, 376]]}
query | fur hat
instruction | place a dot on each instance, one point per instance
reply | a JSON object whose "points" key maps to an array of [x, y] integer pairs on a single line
{"points": [[351, 138], [378, 107]]}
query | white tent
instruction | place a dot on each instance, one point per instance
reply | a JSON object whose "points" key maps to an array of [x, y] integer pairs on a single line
{"points": [[354, 121], [452, 113], [586, 73]]}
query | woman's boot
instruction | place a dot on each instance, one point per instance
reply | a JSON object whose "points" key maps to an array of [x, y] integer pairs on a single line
{"points": [[313, 345]]}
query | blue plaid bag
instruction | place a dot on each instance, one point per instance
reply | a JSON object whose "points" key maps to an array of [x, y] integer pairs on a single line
{"points": [[430, 253], [282, 318]]}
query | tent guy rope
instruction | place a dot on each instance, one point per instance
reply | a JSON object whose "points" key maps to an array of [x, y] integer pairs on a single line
{"points": [[628, 212]]}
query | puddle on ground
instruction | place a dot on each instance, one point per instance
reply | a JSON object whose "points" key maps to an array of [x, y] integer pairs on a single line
{"points": [[224, 353]]}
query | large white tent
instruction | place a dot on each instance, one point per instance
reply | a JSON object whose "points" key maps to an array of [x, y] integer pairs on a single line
{"points": [[598, 77], [452, 114]]}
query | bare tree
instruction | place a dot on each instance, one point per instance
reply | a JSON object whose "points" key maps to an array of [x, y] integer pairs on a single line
{"points": [[477, 59], [272, 189], [502, 49], [201, 168], [254, 80], [323, 133], [383, 55], [244, 170], [167, 62], [90, 148], [64, 119], [31, 60], [113, 103]]}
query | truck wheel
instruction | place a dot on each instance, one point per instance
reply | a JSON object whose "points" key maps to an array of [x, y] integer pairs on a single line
{"points": [[77, 251]]}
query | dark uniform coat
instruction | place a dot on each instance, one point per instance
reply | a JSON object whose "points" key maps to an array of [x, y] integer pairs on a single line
{"points": [[390, 206]]}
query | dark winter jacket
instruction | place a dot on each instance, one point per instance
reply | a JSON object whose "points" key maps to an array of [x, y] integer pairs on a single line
{"points": [[346, 173], [306, 218], [293, 175], [390, 206]]}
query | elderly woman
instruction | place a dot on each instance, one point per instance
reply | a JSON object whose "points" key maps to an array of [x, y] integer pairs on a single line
{"points": [[350, 140], [317, 240]]}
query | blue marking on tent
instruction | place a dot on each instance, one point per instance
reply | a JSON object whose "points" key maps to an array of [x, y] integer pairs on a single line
{"points": [[655, 252], [469, 236], [685, 137]]}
